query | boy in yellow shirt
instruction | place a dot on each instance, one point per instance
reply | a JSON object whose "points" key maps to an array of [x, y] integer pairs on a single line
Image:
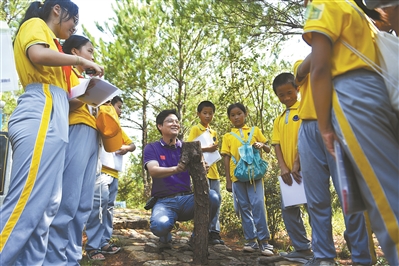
{"points": [[205, 112], [285, 140]]}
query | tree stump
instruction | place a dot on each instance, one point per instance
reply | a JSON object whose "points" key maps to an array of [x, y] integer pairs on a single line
{"points": [[192, 157]]}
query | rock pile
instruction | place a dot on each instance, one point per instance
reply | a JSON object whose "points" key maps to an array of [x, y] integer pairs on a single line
{"points": [[131, 229]]}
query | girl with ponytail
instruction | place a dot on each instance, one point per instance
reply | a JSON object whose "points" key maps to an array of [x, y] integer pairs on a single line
{"points": [[38, 130]]}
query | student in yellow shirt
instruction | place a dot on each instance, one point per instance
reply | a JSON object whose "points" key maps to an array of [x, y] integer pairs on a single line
{"points": [[205, 112], [99, 225], [65, 246], [285, 140], [318, 167], [250, 195], [38, 130], [353, 106]]}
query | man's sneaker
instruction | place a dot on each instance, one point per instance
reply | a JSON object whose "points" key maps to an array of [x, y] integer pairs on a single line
{"points": [[266, 249], [320, 262], [301, 254], [214, 239], [251, 247]]}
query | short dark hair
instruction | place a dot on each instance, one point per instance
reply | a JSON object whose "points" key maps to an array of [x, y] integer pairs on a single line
{"points": [[236, 105], [203, 104], [43, 10], [75, 41], [116, 99], [282, 79]]}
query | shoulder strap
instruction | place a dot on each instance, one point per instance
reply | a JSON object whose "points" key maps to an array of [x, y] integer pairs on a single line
{"points": [[250, 135], [238, 137], [241, 140]]}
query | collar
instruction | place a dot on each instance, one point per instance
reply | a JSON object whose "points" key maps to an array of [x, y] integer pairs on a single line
{"points": [[245, 127], [295, 106], [164, 144], [202, 128]]}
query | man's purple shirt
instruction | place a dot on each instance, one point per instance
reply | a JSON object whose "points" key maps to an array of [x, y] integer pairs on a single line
{"points": [[166, 156]]}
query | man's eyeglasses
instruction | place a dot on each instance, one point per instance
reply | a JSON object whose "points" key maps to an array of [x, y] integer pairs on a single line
{"points": [[171, 121]]}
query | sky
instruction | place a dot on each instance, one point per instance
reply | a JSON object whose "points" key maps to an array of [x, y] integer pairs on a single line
{"points": [[91, 11]]}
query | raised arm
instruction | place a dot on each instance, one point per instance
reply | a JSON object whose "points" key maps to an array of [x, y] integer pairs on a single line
{"points": [[42, 55]]}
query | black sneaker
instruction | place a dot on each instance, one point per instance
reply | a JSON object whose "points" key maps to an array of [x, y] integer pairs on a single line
{"points": [[214, 239]]}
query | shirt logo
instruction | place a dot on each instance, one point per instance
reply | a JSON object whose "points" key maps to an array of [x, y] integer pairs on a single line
{"points": [[314, 11], [163, 157], [295, 118]]}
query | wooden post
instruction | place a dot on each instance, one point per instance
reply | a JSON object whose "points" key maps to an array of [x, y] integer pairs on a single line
{"points": [[192, 157]]}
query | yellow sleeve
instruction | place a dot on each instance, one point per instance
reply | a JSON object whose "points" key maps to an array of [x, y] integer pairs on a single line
{"points": [[35, 32], [295, 70], [258, 136], [194, 133], [320, 13], [226, 145], [276, 131], [126, 139]]}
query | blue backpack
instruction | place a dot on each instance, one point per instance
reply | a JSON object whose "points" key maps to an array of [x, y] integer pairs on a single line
{"points": [[251, 166]]}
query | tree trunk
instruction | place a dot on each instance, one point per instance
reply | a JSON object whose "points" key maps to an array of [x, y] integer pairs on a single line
{"points": [[192, 157]]}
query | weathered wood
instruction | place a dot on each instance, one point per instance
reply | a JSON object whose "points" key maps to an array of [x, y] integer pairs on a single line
{"points": [[192, 157]]}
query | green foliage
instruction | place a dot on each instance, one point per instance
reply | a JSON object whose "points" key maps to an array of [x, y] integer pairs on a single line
{"points": [[130, 185], [10, 98], [273, 199], [381, 261], [344, 252], [12, 11]]}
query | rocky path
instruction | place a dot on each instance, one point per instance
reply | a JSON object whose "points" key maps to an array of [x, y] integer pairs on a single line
{"points": [[139, 247]]}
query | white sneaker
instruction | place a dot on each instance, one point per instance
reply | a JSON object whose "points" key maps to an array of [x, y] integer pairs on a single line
{"points": [[251, 247], [266, 249]]}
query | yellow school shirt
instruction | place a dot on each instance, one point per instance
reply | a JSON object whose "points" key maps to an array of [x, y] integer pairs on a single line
{"points": [[230, 145], [306, 110], [82, 114], [285, 133], [195, 132], [338, 20], [35, 31], [113, 172]]}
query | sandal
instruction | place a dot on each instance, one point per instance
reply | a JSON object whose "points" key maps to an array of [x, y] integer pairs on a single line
{"points": [[91, 254], [111, 249]]}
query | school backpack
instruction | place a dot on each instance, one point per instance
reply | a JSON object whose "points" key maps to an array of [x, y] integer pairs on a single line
{"points": [[251, 166]]}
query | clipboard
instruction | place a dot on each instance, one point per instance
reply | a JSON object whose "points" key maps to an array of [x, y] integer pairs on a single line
{"points": [[207, 140], [293, 195]]}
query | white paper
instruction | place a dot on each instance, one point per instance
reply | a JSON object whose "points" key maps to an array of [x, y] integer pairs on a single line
{"points": [[94, 91], [292, 195], [8, 73], [111, 160], [206, 141]]}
